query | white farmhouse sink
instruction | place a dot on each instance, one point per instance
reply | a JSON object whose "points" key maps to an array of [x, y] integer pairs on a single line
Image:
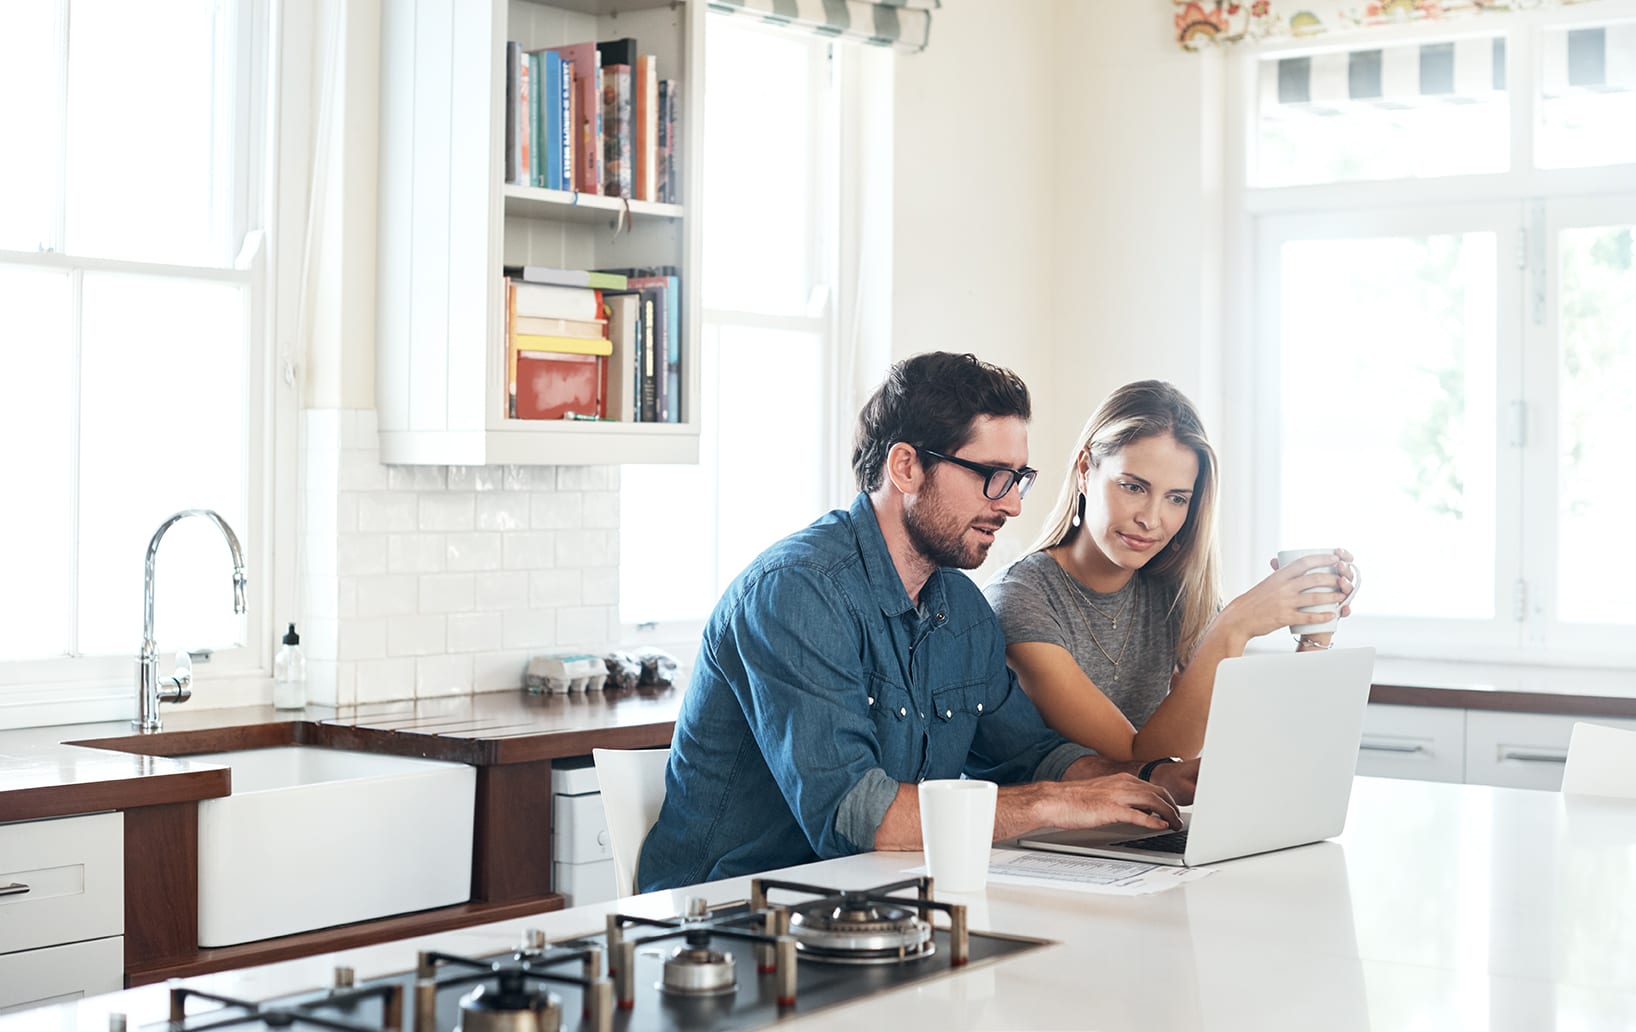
{"points": [[316, 837]]}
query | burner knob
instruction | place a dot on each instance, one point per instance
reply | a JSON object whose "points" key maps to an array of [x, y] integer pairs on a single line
{"points": [[344, 978], [697, 907], [533, 938]]}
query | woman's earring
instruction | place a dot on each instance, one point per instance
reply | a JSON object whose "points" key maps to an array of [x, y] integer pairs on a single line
{"points": [[1079, 510]]}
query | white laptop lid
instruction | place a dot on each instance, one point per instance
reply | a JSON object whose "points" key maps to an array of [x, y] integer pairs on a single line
{"points": [[1280, 750]]}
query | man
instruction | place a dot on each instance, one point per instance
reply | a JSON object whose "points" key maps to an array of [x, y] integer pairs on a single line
{"points": [[847, 664]]}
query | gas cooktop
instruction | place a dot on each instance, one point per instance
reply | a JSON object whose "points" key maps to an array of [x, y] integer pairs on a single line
{"points": [[791, 950]]}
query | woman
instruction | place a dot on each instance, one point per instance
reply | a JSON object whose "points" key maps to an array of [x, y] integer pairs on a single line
{"points": [[1113, 621]]}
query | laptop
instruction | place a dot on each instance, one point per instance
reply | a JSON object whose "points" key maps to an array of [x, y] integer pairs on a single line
{"points": [[1279, 753]]}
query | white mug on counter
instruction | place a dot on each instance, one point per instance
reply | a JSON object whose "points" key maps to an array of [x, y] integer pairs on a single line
{"points": [[957, 828], [1333, 608]]}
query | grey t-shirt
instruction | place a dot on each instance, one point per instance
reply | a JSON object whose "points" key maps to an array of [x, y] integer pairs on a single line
{"points": [[1037, 600]]}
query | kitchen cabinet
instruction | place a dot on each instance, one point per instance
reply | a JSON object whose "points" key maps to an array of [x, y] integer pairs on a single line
{"points": [[62, 904], [1506, 748], [449, 222]]}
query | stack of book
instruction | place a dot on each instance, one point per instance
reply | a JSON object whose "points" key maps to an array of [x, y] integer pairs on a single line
{"points": [[593, 345], [592, 118]]}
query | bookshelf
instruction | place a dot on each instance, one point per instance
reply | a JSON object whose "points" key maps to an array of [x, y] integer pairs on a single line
{"points": [[448, 222]]}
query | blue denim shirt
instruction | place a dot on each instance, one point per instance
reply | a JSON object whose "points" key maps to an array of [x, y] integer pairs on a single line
{"points": [[819, 687]]}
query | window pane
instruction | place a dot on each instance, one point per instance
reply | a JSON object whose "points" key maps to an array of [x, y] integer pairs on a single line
{"points": [[29, 55], [163, 427], [1401, 112], [1387, 415], [758, 255], [1587, 98], [767, 433], [142, 95], [36, 424], [1597, 382]]}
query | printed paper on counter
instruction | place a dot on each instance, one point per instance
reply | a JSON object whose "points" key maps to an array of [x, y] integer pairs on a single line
{"points": [[1087, 873]]}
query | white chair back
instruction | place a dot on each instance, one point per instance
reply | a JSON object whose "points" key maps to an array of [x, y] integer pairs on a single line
{"points": [[633, 789], [1601, 762]]}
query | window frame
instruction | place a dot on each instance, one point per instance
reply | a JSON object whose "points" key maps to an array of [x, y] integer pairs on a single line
{"points": [[1530, 201], [82, 688]]}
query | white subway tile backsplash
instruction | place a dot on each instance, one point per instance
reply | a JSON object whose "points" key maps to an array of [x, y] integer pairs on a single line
{"points": [[443, 675], [528, 629], [388, 512], [581, 548], [426, 581], [386, 594], [362, 638], [447, 592], [502, 511], [418, 635], [381, 679], [500, 591], [584, 627], [585, 478], [360, 554], [601, 509], [474, 551], [448, 511], [501, 671], [415, 553], [530, 550], [474, 632], [549, 510], [415, 478], [554, 588], [362, 471]]}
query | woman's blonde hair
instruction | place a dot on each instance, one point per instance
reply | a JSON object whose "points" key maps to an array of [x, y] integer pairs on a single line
{"points": [[1189, 563]]}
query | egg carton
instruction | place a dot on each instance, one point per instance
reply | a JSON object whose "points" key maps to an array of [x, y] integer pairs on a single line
{"points": [[558, 673]]}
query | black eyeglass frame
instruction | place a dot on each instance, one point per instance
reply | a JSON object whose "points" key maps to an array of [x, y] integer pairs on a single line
{"points": [[1022, 479]]}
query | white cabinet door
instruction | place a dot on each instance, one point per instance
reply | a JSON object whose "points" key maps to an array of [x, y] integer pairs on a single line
{"points": [[1521, 750], [58, 974], [1422, 742], [61, 880]]}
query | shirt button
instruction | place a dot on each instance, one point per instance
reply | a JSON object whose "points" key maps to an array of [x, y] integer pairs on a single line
{"points": [[903, 711], [979, 707], [940, 616], [947, 714], [871, 700]]}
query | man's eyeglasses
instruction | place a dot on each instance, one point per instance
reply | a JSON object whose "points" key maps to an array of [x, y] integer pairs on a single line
{"points": [[997, 480]]}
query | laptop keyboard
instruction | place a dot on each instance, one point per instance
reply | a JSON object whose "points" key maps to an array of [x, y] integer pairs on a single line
{"points": [[1174, 842]]}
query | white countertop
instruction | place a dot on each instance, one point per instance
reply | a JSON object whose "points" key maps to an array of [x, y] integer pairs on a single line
{"points": [[1441, 906]]}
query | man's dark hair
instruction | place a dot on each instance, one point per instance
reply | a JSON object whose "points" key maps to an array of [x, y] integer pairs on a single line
{"points": [[931, 401]]}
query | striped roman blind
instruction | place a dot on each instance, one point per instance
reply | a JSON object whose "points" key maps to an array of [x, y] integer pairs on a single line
{"points": [[899, 24]]}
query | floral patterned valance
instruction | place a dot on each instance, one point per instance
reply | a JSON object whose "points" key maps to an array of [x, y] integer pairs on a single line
{"points": [[1202, 23]]}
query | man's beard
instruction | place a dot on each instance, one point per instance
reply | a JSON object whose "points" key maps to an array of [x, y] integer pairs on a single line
{"points": [[936, 536]]}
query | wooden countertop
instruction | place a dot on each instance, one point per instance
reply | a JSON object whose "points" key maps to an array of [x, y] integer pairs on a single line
{"points": [[83, 768]]}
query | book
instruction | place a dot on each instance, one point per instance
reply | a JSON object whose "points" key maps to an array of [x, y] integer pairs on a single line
{"points": [[617, 52], [516, 90], [624, 334], [617, 167], [549, 301], [584, 110], [662, 195], [666, 287], [524, 342], [536, 138], [561, 386], [549, 124], [565, 123], [565, 277], [560, 327], [645, 98], [673, 144]]}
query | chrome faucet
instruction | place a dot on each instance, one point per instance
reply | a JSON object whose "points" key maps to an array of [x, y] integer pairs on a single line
{"points": [[150, 691]]}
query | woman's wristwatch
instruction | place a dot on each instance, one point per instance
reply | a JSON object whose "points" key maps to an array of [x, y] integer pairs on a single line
{"points": [[1146, 773]]}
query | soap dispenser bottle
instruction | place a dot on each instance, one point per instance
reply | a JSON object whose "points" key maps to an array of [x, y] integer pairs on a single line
{"points": [[290, 673]]}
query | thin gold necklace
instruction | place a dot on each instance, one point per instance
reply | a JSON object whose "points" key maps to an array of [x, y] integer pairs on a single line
{"points": [[1076, 591]]}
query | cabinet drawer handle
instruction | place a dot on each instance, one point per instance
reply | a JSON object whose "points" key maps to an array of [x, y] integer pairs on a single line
{"points": [[1533, 756], [14, 889], [1391, 747]]}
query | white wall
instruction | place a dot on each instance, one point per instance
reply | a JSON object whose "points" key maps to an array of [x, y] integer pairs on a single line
{"points": [[1058, 210]]}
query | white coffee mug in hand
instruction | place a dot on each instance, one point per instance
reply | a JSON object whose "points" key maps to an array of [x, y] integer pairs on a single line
{"points": [[957, 827], [1333, 608]]}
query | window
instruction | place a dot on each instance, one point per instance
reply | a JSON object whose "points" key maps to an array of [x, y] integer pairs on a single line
{"points": [[768, 441], [1444, 359], [131, 299]]}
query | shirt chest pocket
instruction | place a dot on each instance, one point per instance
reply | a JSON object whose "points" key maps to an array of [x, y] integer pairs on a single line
{"points": [[898, 733]]}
